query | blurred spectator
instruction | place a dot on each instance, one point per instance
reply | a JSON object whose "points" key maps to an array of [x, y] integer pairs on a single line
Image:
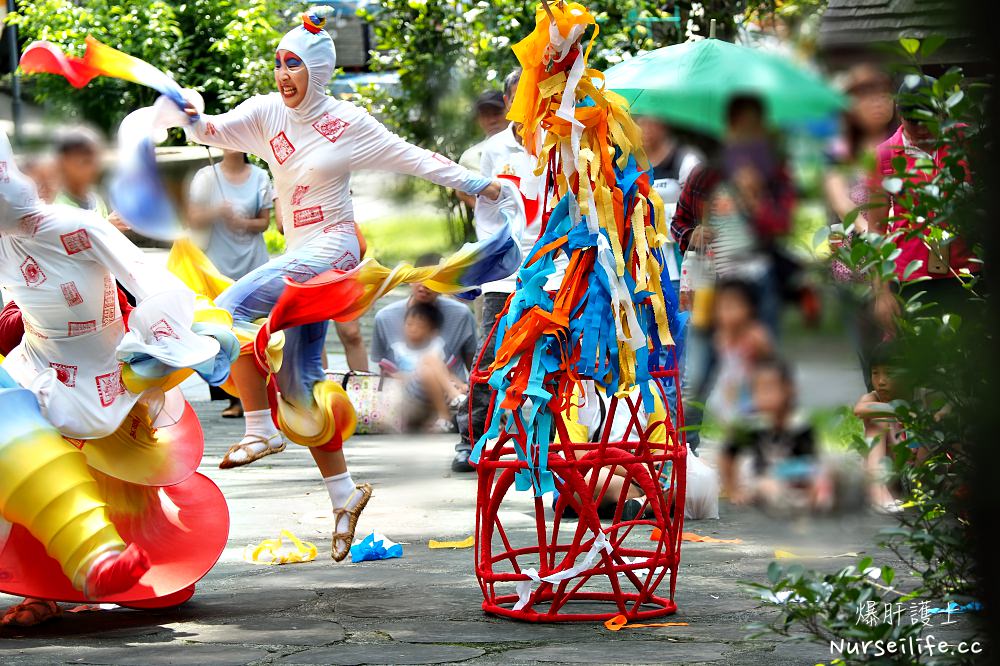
{"points": [[784, 471], [881, 427], [740, 340], [42, 170], [419, 358], [939, 264], [870, 120], [78, 163], [232, 201], [457, 330], [729, 215], [491, 116], [672, 163]]}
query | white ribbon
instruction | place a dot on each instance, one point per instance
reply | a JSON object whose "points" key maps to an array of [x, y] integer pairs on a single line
{"points": [[525, 588]]}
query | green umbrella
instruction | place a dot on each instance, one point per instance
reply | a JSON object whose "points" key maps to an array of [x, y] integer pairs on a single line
{"points": [[691, 84]]}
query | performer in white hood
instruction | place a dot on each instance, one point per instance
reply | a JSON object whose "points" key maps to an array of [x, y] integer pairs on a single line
{"points": [[311, 142]]}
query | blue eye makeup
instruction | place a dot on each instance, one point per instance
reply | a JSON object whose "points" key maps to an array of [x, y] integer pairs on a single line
{"points": [[292, 61]]}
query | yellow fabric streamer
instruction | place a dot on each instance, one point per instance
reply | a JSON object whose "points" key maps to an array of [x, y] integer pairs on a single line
{"points": [[464, 543], [196, 270], [274, 551]]}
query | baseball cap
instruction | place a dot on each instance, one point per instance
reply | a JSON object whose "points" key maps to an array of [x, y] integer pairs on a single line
{"points": [[490, 99]]}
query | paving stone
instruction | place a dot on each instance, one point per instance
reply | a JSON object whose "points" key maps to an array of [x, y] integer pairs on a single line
{"points": [[262, 630], [618, 651], [352, 654], [487, 632], [141, 655]]}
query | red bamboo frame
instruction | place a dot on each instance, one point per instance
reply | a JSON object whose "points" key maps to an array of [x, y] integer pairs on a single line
{"points": [[611, 586]]}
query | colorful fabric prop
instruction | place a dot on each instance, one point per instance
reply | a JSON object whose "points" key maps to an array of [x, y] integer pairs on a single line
{"points": [[64, 510], [375, 546], [136, 190], [274, 551], [620, 622], [464, 543], [608, 320]]}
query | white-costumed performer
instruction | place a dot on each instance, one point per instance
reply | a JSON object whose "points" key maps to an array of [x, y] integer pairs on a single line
{"points": [[312, 143], [81, 465]]}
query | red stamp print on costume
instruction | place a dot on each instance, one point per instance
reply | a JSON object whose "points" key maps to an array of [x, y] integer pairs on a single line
{"points": [[77, 241], [282, 148], [306, 216], [210, 129], [442, 159], [109, 387], [299, 194], [345, 261], [65, 373], [29, 224], [133, 429], [108, 309], [162, 329], [32, 272], [330, 127], [71, 294], [299, 272], [31, 330], [75, 328], [4, 176], [339, 228]]}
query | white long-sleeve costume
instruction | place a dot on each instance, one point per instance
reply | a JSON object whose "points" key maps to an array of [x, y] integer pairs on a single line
{"points": [[60, 264], [312, 151]]}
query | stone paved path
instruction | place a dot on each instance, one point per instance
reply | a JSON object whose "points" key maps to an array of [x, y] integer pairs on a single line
{"points": [[425, 607]]}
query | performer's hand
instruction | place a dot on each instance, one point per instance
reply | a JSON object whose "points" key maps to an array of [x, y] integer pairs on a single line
{"points": [[190, 110], [491, 191], [118, 222]]}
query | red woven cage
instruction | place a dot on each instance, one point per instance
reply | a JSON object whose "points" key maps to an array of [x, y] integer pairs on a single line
{"points": [[587, 580]]}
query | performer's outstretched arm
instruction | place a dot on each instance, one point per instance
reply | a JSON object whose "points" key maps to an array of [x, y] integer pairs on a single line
{"points": [[236, 130], [375, 147]]}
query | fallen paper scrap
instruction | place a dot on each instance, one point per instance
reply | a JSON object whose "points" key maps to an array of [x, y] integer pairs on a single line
{"points": [[787, 555], [91, 608], [692, 537], [621, 622], [375, 546], [274, 551], [464, 543]]}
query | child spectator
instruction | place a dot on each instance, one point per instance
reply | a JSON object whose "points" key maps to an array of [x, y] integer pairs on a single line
{"points": [[419, 358], [740, 340], [781, 446], [880, 427], [78, 163]]}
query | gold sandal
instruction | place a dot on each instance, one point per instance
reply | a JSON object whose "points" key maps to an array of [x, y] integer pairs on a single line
{"points": [[41, 610], [251, 457], [354, 513]]}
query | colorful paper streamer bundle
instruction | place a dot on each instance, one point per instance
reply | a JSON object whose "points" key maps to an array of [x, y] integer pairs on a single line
{"points": [[612, 313]]}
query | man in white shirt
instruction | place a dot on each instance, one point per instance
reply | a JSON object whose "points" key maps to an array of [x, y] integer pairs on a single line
{"points": [[491, 116]]}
